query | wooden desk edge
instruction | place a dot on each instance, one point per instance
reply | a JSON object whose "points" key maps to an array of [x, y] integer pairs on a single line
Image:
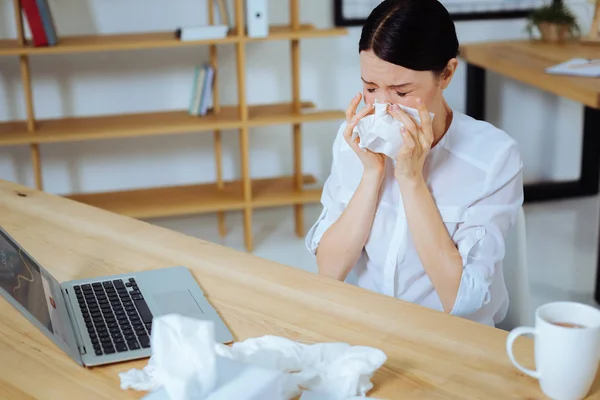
{"points": [[591, 99]]}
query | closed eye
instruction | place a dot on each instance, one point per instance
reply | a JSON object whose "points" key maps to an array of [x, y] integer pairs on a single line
{"points": [[400, 94]]}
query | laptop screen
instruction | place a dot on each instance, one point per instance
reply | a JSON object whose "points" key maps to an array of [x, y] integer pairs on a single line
{"points": [[29, 285]]}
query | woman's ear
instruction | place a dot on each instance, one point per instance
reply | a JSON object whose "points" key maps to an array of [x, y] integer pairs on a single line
{"points": [[448, 74]]}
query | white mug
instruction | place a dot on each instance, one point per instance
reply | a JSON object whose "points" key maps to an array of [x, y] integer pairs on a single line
{"points": [[566, 347]]}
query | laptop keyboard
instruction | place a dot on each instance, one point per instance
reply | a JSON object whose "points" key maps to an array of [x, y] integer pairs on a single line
{"points": [[116, 315]]}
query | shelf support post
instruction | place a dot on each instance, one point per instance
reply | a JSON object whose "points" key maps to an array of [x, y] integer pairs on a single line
{"points": [[297, 108], [244, 131], [26, 78], [218, 140]]}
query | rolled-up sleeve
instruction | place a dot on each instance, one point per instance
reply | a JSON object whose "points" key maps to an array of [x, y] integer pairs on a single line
{"points": [[480, 239], [333, 207]]}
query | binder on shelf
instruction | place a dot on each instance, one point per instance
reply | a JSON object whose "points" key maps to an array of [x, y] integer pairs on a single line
{"points": [[47, 21], [34, 20], [257, 21]]}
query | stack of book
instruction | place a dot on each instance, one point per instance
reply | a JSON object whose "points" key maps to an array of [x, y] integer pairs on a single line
{"points": [[40, 21], [202, 92]]}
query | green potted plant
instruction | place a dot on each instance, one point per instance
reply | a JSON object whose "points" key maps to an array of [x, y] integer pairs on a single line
{"points": [[555, 22]]}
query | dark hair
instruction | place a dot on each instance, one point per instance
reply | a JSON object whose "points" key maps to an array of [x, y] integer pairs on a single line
{"points": [[415, 34]]}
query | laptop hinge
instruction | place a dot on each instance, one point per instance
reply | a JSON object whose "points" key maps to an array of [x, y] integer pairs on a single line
{"points": [[73, 321]]}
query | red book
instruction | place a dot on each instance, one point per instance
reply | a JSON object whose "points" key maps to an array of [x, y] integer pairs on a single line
{"points": [[34, 19]]}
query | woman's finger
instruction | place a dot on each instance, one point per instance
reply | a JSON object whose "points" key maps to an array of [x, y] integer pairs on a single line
{"points": [[354, 121], [426, 125], [351, 110], [354, 144], [349, 131], [411, 129], [364, 112], [409, 142], [424, 140], [396, 112]]}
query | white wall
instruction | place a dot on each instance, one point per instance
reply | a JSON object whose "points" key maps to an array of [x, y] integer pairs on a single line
{"points": [[548, 128]]}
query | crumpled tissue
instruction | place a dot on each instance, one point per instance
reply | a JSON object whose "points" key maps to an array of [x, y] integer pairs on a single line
{"points": [[380, 132], [186, 363]]}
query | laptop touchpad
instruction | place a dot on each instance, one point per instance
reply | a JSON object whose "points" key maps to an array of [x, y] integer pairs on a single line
{"points": [[179, 302]]}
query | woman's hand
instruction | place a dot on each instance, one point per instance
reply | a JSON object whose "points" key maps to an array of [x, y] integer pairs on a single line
{"points": [[373, 163], [417, 143]]}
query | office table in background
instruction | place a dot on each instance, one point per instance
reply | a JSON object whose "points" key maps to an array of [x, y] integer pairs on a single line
{"points": [[430, 354], [525, 61]]}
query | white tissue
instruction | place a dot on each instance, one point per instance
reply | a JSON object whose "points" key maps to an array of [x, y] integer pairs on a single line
{"points": [[335, 369], [182, 362], [310, 395], [187, 364], [380, 132], [236, 380]]}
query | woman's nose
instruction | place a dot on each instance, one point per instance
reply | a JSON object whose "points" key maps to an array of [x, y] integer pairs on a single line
{"points": [[385, 98]]}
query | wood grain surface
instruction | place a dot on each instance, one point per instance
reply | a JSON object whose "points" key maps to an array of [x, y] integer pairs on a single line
{"points": [[526, 60], [431, 355]]}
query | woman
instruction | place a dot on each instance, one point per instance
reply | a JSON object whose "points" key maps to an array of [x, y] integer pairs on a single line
{"points": [[429, 225]]}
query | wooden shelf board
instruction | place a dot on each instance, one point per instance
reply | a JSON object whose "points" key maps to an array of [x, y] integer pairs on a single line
{"points": [[306, 31], [146, 124], [154, 40], [10, 47], [116, 126], [197, 199], [279, 192], [115, 42], [258, 117]]}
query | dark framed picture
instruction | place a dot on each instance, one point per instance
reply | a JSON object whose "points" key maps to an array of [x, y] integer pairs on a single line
{"points": [[355, 12]]}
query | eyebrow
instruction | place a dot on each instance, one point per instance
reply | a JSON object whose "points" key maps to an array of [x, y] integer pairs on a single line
{"points": [[392, 86]]}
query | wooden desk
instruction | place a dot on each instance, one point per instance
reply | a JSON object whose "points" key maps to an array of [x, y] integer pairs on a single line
{"points": [[525, 62], [431, 355]]}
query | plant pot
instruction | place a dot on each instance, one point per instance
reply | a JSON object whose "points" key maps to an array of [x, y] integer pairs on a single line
{"points": [[552, 32]]}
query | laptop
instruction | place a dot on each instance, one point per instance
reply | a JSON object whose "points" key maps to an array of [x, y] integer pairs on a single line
{"points": [[101, 320]]}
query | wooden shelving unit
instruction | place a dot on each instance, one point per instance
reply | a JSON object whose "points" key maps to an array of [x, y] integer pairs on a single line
{"points": [[194, 199], [244, 194], [155, 40], [594, 36]]}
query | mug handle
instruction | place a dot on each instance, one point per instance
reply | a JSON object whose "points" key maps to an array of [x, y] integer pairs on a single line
{"points": [[512, 336]]}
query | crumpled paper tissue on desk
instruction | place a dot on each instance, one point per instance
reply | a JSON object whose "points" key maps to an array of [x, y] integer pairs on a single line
{"points": [[380, 132], [186, 363]]}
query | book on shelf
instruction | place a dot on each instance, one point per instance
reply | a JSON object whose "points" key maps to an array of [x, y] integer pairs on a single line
{"points": [[207, 91], [34, 20], [196, 90], [202, 90], [40, 21], [48, 22]]}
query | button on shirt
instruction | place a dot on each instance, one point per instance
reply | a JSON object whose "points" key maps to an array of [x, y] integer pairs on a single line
{"points": [[475, 177]]}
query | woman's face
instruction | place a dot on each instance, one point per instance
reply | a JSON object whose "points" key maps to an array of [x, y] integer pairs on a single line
{"points": [[390, 83]]}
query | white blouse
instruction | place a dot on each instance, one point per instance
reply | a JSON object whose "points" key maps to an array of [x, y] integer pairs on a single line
{"points": [[475, 177]]}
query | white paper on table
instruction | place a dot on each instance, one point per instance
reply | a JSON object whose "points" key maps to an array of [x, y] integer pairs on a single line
{"points": [[187, 364]]}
